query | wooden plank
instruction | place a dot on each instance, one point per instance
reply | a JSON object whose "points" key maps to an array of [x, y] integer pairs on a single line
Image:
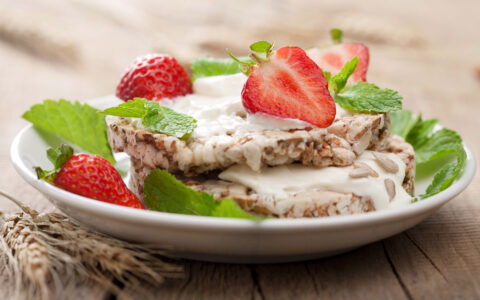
{"points": [[365, 273], [448, 246], [440, 258], [207, 281]]}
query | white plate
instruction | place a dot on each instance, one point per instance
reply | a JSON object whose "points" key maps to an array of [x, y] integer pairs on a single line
{"points": [[229, 240]]}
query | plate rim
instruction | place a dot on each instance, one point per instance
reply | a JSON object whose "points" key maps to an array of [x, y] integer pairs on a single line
{"points": [[179, 221]]}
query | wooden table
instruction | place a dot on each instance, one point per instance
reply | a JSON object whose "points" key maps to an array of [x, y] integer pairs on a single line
{"points": [[426, 50]]}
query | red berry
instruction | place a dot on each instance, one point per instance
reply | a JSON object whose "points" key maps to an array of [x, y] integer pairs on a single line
{"points": [[289, 85], [154, 76], [333, 59], [94, 177]]}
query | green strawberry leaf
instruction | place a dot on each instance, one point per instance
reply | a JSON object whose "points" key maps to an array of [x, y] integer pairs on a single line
{"points": [[77, 123], [261, 47], [163, 192], [368, 98], [58, 157]]}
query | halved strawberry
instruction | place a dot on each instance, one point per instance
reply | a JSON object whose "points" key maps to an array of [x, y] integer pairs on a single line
{"points": [[288, 84], [332, 59]]}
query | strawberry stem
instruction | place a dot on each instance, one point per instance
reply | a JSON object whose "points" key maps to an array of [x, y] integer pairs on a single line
{"points": [[258, 59], [337, 35], [244, 66], [264, 49]]}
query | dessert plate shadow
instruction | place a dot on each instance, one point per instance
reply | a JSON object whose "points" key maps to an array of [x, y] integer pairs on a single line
{"points": [[223, 239]]}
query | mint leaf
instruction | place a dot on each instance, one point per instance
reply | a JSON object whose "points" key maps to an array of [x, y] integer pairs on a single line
{"points": [[77, 123], [431, 147], [421, 131], [337, 35], [327, 76], [163, 192], [207, 66], [261, 47], [156, 118], [169, 122], [445, 177], [228, 208], [402, 122], [338, 82], [412, 128], [440, 144], [368, 98], [136, 108]]}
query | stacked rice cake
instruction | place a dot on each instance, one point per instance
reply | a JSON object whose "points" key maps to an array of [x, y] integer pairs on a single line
{"points": [[198, 161]]}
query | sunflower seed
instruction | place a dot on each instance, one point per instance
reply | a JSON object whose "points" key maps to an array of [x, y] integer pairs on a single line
{"points": [[385, 162], [361, 170], [390, 187]]}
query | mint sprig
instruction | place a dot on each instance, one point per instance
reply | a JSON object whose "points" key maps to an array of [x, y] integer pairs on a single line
{"points": [[431, 147], [208, 66], [440, 144], [361, 96], [402, 123], [163, 192], [368, 98], [156, 118], [447, 174], [79, 124], [338, 82]]}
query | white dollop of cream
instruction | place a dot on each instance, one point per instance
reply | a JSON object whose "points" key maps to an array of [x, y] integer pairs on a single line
{"points": [[275, 184], [217, 106]]}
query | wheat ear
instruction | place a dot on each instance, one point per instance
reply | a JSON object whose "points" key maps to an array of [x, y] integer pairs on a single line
{"points": [[38, 251]]}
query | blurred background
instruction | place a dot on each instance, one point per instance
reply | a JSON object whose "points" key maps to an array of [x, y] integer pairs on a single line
{"points": [[427, 50]]}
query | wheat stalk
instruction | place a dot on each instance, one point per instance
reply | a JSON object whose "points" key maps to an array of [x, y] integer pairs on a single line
{"points": [[38, 251]]}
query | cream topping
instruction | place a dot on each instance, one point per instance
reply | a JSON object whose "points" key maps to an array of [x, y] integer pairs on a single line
{"points": [[275, 184], [216, 104]]}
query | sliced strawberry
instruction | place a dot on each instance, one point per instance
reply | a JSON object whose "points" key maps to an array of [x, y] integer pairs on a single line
{"points": [[289, 85], [154, 76], [332, 59]]}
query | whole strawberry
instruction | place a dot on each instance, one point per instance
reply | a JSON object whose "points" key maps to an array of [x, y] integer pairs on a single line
{"points": [[154, 76], [88, 175], [287, 84]]}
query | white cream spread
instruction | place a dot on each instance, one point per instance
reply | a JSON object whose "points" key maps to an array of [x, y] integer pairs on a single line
{"points": [[275, 184], [216, 104]]}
